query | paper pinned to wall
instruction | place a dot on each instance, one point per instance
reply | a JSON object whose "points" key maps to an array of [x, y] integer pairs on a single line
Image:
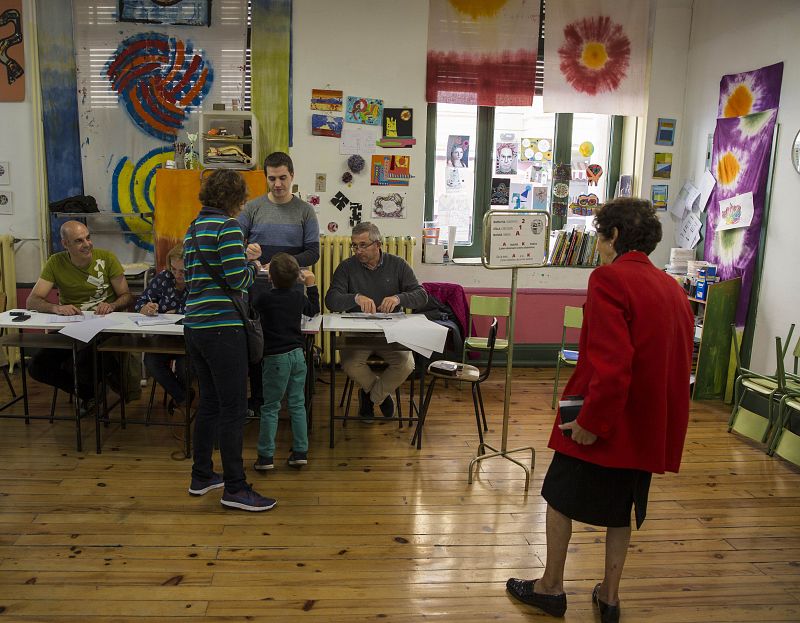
{"points": [[358, 139], [683, 202], [707, 184], [735, 212], [688, 234]]}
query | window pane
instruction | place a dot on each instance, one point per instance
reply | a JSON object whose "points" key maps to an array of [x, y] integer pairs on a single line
{"points": [[590, 145], [454, 182], [522, 157]]}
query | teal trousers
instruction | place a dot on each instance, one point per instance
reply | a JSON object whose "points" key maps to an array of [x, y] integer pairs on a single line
{"points": [[283, 374]]}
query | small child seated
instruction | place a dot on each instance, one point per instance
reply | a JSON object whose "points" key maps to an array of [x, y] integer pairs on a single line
{"points": [[281, 305]]}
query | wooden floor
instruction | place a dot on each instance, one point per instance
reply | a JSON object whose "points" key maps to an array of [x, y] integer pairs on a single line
{"points": [[374, 530]]}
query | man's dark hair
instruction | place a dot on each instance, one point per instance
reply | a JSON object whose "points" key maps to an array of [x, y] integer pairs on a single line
{"points": [[283, 270], [637, 225], [225, 190], [279, 159]]}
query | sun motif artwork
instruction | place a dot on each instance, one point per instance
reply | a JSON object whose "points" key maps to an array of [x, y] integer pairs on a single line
{"points": [[740, 103], [595, 55], [728, 169]]}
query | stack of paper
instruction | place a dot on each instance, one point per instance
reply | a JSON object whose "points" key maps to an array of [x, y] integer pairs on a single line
{"points": [[148, 321], [417, 333]]}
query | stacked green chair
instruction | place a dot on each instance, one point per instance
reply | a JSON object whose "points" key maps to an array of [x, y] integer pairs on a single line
{"points": [[755, 396], [786, 438], [573, 319]]}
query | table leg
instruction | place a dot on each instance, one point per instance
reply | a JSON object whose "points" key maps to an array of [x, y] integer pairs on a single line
{"points": [[75, 399], [332, 382], [96, 387], [24, 384]]}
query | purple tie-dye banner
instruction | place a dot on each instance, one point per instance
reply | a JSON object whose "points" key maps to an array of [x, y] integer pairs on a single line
{"points": [[750, 91]]}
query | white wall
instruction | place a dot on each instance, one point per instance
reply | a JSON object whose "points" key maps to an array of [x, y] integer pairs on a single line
{"points": [[17, 148], [730, 36]]}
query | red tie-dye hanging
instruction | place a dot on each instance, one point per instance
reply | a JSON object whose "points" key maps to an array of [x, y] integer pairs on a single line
{"points": [[482, 52], [595, 55]]}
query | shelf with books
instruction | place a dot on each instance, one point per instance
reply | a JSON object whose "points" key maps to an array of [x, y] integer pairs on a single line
{"points": [[573, 248]]}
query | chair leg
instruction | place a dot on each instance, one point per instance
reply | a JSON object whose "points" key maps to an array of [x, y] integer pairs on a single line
{"points": [[421, 421], [10, 384], [53, 404], [483, 411], [738, 393], [777, 431], [397, 406], [478, 409], [150, 404], [347, 384], [555, 384]]}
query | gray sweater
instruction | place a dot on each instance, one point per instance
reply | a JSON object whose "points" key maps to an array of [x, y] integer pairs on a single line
{"points": [[392, 277]]}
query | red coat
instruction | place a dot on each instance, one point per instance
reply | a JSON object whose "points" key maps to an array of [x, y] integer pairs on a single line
{"points": [[633, 369]]}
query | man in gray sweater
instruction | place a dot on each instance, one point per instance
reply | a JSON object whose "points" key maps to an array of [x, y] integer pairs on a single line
{"points": [[373, 281]]}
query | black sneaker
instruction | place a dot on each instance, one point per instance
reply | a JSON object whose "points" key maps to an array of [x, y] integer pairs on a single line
{"points": [[201, 486], [366, 408], [297, 459], [387, 407], [263, 463], [247, 499]]}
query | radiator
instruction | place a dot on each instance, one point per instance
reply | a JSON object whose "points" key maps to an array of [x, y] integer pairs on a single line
{"points": [[334, 249], [8, 290]]}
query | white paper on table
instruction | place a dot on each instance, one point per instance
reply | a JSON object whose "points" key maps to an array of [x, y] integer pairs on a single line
{"points": [[417, 333], [56, 319], [86, 331], [707, 184], [688, 234], [735, 212], [148, 321], [358, 139], [684, 200]]}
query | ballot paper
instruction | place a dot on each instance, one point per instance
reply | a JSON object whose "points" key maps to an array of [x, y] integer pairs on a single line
{"points": [[148, 321], [56, 319], [92, 325], [417, 333]]}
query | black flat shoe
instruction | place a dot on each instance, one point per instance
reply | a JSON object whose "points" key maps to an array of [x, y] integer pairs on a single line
{"points": [[554, 605], [608, 613]]}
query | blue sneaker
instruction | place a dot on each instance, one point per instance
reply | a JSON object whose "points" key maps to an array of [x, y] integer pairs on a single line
{"points": [[201, 486], [263, 463], [297, 459], [247, 500]]}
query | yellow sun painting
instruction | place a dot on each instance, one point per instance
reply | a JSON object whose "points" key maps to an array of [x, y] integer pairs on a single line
{"points": [[728, 168], [478, 8], [739, 103]]}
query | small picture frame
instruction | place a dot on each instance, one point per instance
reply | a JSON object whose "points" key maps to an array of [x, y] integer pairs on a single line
{"points": [[665, 132], [6, 202], [5, 174]]}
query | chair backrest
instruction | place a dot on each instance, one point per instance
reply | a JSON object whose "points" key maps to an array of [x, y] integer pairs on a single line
{"points": [[573, 319], [491, 339], [490, 306]]}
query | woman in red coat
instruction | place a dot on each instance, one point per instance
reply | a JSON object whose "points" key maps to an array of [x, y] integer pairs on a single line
{"points": [[633, 375]]}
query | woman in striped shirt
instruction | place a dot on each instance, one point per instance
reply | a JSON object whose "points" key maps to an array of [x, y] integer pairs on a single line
{"points": [[215, 338]]}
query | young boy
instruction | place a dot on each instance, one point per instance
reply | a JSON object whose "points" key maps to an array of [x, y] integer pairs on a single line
{"points": [[281, 305]]}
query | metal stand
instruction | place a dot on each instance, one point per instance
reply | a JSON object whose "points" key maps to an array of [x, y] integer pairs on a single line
{"points": [[504, 452]]}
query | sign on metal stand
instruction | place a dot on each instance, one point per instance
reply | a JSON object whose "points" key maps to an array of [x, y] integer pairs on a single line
{"points": [[512, 239]]}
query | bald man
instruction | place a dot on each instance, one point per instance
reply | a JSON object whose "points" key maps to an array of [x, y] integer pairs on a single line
{"points": [[87, 279]]}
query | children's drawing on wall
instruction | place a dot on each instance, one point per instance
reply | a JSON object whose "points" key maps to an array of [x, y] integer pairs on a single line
{"points": [[458, 151], [398, 123], [326, 125], [500, 186], [175, 12], [390, 170], [364, 110], [155, 90], [454, 179], [659, 195], [539, 198], [665, 132], [536, 150], [12, 55], [662, 165], [326, 99], [389, 205], [521, 196], [505, 158]]}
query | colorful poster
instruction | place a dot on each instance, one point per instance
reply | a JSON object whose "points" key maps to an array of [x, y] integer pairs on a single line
{"points": [[363, 110], [326, 99], [458, 151], [12, 52], [398, 122], [521, 197], [326, 125], [390, 170], [665, 132], [659, 196], [482, 53], [662, 165], [389, 205], [500, 188], [595, 55], [536, 149]]}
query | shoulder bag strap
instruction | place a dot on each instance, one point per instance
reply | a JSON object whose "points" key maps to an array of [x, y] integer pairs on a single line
{"points": [[214, 274]]}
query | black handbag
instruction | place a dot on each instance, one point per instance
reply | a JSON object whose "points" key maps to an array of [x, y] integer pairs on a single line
{"points": [[250, 318]]}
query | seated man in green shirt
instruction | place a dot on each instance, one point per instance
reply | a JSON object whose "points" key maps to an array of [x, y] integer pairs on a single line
{"points": [[87, 279]]}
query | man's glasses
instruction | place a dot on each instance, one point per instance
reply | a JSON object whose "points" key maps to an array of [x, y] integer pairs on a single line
{"points": [[362, 245]]}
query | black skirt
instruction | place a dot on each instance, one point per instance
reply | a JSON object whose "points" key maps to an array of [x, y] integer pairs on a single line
{"points": [[596, 495]]}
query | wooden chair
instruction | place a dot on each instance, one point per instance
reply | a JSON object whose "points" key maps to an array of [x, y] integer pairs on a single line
{"points": [[467, 374], [573, 319]]}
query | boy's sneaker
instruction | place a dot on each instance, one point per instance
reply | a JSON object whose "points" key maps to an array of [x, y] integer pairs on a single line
{"points": [[201, 486], [297, 459], [247, 499], [263, 463]]}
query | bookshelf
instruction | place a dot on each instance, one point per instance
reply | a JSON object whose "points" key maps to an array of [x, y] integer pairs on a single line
{"points": [[573, 248], [712, 352]]}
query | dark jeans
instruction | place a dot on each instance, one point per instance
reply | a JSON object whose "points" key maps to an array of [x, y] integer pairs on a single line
{"points": [[54, 367], [219, 357], [160, 366], [256, 392]]}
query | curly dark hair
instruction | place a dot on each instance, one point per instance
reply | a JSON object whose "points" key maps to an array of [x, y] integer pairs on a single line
{"points": [[225, 190], [283, 270], [279, 159], [637, 225]]}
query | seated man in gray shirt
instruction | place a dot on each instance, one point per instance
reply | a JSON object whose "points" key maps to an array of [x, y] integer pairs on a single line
{"points": [[373, 281]]}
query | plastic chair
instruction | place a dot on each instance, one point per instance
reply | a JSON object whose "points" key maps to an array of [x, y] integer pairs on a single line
{"points": [[573, 319], [490, 306], [754, 397], [785, 441], [465, 373]]}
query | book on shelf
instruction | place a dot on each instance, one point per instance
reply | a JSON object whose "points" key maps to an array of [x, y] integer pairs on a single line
{"points": [[574, 247]]}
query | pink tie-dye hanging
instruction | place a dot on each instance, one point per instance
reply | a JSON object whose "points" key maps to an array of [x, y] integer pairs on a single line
{"points": [[740, 160], [595, 55], [482, 52]]}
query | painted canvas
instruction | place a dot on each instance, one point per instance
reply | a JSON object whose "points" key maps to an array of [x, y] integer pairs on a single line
{"points": [[389, 205], [390, 170], [482, 53], [665, 132], [326, 125], [173, 12], [398, 122], [750, 91], [12, 52], [326, 99], [659, 195], [364, 110], [595, 55], [662, 165]]}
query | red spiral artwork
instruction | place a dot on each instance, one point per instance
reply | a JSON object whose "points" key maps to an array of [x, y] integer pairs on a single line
{"points": [[595, 54]]}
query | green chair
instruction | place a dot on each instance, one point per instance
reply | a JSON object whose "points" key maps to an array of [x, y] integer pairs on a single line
{"points": [[755, 395], [786, 438], [573, 319], [493, 307]]}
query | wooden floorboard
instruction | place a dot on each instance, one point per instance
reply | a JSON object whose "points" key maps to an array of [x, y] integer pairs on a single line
{"points": [[374, 530]]}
